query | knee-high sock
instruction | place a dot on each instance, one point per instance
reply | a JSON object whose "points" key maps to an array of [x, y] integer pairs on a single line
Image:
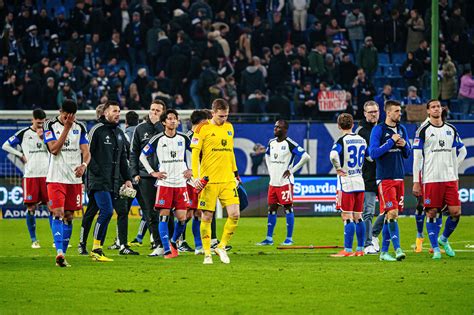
{"points": [[179, 228], [420, 219], [271, 223], [394, 233], [450, 226], [196, 226], [67, 232], [229, 229], [104, 201], [349, 229], [290, 223], [184, 232], [213, 227], [31, 224], [164, 232], [142, 227], [360, 232], [206, 236], [385, 238], [433, 231], [439, 221], [57, 228]]}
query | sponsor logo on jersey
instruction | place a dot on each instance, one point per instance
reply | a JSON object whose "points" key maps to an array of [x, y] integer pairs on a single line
{"points": [[75, 132], [146, 149], [173, 154], [67, 143], [48, 135], [145, 136], [107, 140], [224, 142], [416, 142], [202, 203], [39, 145], [441, 143], [194, 141]]}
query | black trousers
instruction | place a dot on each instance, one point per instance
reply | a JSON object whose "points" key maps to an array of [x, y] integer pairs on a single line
{"points": [[122, 208]]}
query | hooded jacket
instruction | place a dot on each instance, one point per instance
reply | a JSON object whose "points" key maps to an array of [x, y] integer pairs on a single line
{"points": [[368, 169]]}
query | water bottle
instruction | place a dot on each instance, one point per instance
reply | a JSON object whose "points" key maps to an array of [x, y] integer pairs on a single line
{"points": [[204, 182]]}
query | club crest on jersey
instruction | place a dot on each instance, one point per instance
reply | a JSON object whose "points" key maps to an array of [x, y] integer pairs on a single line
{"points": [[202, 203], [427, 201], [75, 132], [283, 148], [441, 143], [48, 135], [389, 204], [180, 144], [448, 132], [194, 141], [161, 202], [229, 133], [224, 142], [173, 154], [29, 197]]}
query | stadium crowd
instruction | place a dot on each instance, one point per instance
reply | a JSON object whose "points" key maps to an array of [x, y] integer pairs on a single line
{"points": [[261, 56]]}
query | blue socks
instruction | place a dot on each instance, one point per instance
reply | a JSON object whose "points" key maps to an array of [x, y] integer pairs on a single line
{"points": [[433, 231], [272, 220], [420, 219], [360, 232], [179, 228], [385, 238], [349, 229], [164, 233], [394, 233], [31, 224], [290, 223], [67, 232], [57, 228], [451, 224], [196, 226]]}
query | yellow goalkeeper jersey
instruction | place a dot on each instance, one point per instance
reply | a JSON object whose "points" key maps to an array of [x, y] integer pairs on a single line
{"points": [[213, 152]]}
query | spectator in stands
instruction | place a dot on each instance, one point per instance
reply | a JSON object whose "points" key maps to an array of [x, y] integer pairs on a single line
{"points": [[395, 30], [218, 90], [305, 101], [135, 34], [422, 54], [31, 46], [115, 48], [280, 103], [317, 70], [334, 33], [163, 51], [459, 50], [316, 34], [466, 91], [176, 69], [296, 74], [412, 98], [447, 82], [376, 29], [355, 23], [363, 90], [457, 23], [368, 57], [206, 79], [255, 103], [384, 96], [75, 47], [257, 157], [300, 14], [31, 91], [347, 70], [411, 70], [49, 95], [231, 91], [65, 92], [324, 12], [11, 91], [55, 49], [416, 28], [278, 69]]}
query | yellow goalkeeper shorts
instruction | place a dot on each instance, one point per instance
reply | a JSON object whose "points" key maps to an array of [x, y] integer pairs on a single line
{"points": [[225, 192]]}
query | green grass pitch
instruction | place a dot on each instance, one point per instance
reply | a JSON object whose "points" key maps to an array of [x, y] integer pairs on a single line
{"points": [[259, 280]]}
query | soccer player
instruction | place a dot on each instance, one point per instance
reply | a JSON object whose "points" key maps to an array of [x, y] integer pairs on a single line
{"points": [[280, 155], [107, 170], [170, 148], [347, 156], [213, 156], [436, 147], [35, 155], [389, 146], [67, 142], [146, 183]]}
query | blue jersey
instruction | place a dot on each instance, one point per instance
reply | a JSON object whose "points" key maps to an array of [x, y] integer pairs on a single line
{"points": [[388, 157]]}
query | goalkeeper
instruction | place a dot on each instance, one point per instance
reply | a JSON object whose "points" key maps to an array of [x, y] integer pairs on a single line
{"points": [[107, 171]]}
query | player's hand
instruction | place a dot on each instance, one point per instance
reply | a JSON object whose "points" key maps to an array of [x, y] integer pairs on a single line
{"points": [[40, 132], [79, 170], [128, 184], [136, 179], [188, 174], [416, 189], [341, 172], [69, 121], [286, 174], [159, 175], [198, 185], [238, 180], [395, 137], [23, 159], [401, 143]]}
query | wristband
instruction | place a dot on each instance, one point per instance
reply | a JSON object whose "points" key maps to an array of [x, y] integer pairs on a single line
{"points": [[85, 164]]}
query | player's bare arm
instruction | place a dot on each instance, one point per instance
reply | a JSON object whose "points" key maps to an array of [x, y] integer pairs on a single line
{"points": [[86, 158]]}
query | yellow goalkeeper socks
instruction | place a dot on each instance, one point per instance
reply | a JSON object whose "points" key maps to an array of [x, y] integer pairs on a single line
{"points": [[229, 229], [206, 237], [97, 244]]}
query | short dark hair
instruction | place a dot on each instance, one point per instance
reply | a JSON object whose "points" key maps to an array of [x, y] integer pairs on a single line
{"points": [[159, 102], [431, 101], [390, 103], [208, 113], [131, 118], [197, 116], [39, 114], [110, 103], [220, 104], [166, 113], [69, 106], [345, 121], [285, 123]]}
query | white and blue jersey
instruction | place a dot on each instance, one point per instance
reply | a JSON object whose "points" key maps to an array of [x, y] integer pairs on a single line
{"points": [[389, 158], [280, 158], [351, 149]]}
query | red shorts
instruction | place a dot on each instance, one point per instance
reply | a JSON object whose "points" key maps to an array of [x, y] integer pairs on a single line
{"points": [[439, 194], [35, 190], [391, 195], [350, 201], [282, 195], [67, 196], [193, 197], [171, 197]]}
